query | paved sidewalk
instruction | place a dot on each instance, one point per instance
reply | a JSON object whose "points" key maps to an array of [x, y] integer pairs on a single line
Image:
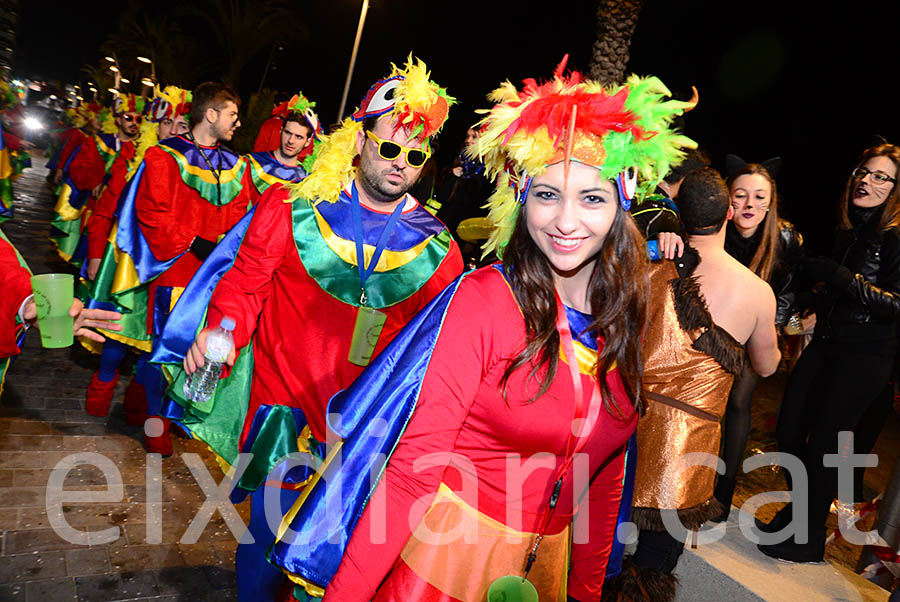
{"points": [[42, 422]]}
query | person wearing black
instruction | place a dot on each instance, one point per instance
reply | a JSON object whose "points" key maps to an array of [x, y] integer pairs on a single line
{"points": [[849, 361], [772, 248], [463, 191], [658, 212]]}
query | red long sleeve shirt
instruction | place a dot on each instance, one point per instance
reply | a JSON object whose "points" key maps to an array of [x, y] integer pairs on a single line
{"points": [[73, 141], [104, 209], [301, 333], [88, 168], [461, 410], [172, 214], [15, 286]]}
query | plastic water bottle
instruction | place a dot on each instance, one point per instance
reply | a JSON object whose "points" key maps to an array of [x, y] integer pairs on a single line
{"points": [[200, 386]]}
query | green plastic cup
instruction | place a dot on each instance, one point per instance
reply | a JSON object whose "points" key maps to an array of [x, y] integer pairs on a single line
{"points": [[512, 588], [53, 294]]}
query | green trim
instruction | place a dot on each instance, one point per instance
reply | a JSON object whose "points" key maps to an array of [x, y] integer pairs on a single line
{"points": [[66, 235], [341, 279], [132, 304], [209, 191]]}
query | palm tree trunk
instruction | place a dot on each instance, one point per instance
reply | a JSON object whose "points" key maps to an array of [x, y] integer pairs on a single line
{"points": [[616, 20]]}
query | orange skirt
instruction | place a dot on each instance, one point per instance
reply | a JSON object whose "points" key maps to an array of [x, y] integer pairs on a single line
{"points": [[456, 552]]}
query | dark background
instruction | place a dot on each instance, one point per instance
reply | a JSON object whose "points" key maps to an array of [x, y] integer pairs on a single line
{"points": [[800, 80]]}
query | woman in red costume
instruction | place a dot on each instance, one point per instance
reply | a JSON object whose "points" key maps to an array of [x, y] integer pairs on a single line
{"points": [[530, 394]]}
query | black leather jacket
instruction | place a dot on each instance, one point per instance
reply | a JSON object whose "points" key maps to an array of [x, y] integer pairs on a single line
{"points": [[782, 280], [873, 296]]}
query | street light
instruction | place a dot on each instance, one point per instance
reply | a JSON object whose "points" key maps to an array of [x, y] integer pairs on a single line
{"points": [[147, 82], [93, 89], [113, 68], [110, 59], [359, 30], [144, 59], [125, 81], [113, 90]]}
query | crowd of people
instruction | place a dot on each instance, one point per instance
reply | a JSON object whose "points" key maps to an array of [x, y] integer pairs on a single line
{"points": [[422, 432]]}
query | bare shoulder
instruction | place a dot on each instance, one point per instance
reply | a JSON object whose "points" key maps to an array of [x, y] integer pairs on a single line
{"points": [[750, 283]]}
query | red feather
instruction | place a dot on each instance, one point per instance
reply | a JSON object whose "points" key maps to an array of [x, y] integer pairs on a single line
{"points": [[552, 107]]}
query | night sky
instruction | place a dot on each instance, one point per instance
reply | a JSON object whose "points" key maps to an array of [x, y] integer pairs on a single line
{"points": [[785, 78]]}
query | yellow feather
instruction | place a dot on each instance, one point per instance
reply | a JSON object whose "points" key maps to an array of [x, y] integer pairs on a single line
{"points": [[147, 137], [109, 124]]}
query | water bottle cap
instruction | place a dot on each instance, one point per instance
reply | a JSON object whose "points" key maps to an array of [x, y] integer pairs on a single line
{"points": [[227, 323]]}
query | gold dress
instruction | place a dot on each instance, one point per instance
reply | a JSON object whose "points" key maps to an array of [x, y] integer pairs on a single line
{"points": [[689, 366]]}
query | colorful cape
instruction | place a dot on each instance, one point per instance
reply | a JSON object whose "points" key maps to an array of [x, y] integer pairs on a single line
{"points": [[267, 170], [68, 223], [196, 170], [413, 254], [135, 263], [65, 227], [131, 303], [374, 412], [277, 428], [323, 237]]}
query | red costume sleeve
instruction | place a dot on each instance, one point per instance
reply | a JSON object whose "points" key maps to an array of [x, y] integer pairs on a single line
{"points": [[156, 203], [587, 565], [436, 284], [13, 142], [460, 359], [243, 290], [87, 168], [99, 225], [15, 286], [269, 137], [249, 187], [74, 140]]}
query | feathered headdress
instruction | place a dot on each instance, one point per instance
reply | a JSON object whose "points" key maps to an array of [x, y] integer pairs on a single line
{"points": [[124, 102], [304, 107], [299, 103], [74, 117], [127, 103], [95, 110], [168, 103], [90, 110], [625, 131], [417, 104]]}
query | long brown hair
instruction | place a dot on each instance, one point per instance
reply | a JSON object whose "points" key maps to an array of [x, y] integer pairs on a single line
{"points": [[890, 219], [766, 255], [618, 290]]}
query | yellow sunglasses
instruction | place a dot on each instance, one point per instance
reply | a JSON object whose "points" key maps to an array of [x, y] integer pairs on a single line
{"points": [[415, 157]]}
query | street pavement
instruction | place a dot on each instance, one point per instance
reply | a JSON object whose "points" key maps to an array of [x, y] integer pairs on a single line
{"points": [[43, 425]]}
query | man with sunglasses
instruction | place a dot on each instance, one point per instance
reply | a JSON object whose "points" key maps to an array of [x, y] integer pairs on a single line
{"points": [[328, 272], [165, 116], [88, 173], [187, 193]]}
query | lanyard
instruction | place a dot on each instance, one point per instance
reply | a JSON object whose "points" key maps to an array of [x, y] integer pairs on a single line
{"points": [[366, 271], [585, 424], [216, 174]]}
